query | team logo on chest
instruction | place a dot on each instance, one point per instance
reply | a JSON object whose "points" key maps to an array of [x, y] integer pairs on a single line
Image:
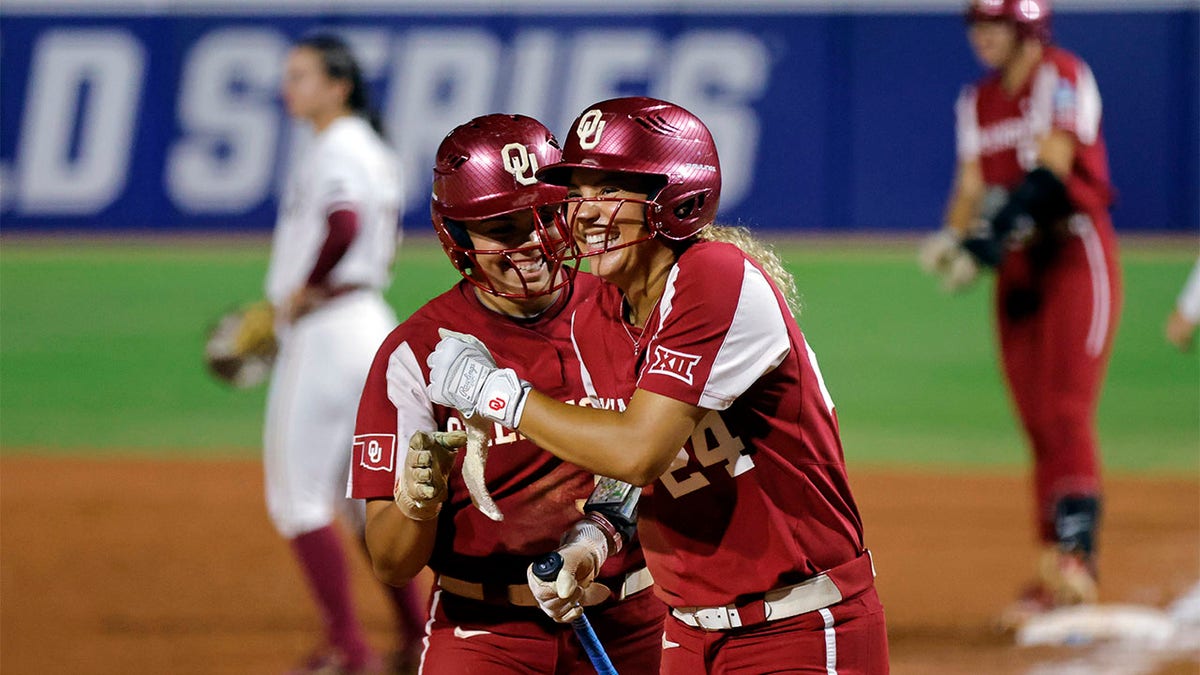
{"points": [[589, 129], [673, 364], [376, 452], [520, 163]]}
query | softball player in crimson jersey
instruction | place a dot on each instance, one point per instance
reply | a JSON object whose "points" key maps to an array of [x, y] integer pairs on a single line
{"points": [[1029, 132], [750, 529], [483, 617], [330, 261]]}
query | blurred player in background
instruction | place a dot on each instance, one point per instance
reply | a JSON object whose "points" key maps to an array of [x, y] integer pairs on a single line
{"points": [[1181, 322], [330, 262], [1031, 199], [484, 618], [746, 520]]}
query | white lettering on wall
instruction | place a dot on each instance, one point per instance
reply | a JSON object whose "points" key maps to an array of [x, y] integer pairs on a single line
{"points": [[718, 75], [77, 131], [443, 77], [230, 121]]}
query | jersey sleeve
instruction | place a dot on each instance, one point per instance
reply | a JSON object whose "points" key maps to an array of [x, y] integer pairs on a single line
{"points": [[966, 125], [1065, 98], [721, 328], [394, 404]]}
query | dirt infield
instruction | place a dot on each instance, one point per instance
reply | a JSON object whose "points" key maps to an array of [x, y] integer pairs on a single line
{"points": [[140, 566]]}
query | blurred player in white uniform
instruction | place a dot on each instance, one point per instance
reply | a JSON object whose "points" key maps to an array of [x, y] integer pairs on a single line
{"points": [[331, 255]]}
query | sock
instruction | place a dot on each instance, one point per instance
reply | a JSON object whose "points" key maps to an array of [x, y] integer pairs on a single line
{"points": [[324, 564]]}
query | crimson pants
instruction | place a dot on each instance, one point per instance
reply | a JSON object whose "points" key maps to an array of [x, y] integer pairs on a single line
{"points": [[468, 636], [1055, 358]]}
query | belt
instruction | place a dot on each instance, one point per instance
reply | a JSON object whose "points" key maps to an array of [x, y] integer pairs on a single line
{"points": [[827, 588], [519, 594], [343, 289]]}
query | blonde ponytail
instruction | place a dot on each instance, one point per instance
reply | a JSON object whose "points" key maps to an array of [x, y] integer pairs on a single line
{"points": [[762, 253]]}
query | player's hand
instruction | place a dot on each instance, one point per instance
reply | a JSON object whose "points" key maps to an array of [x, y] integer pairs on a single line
{"points": [[463, 375], [942, 254], [564, 598], [938, 249], [1180, 331], [421, 486], [302, 301], [960, 272]]}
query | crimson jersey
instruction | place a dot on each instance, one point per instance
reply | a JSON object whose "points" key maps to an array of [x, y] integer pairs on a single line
{"points": [[537, 492], [758, 497], [1002, 130]]}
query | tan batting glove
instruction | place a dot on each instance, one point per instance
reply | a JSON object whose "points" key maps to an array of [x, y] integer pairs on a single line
{"points": [[584, 551], [938, 250], [942, 255], [421, 486], [960, 272]]}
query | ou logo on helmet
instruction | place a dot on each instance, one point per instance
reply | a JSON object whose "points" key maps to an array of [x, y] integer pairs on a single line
{"points": [[589, 129], [518, 161], [1031, 10]]}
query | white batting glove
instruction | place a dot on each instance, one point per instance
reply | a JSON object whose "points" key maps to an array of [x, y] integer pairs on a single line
{"points": [[421, 486], [463, 375], [584, 550], [960, 272], [938, 250], [942, 255]]}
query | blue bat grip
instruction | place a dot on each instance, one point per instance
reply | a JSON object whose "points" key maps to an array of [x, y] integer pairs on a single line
{"points": [[546, 568]]}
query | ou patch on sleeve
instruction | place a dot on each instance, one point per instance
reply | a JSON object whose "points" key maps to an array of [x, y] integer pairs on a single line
{"points": [[375, 452]]}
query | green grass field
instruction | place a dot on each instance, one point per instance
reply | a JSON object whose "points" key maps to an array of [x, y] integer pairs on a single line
{"points": [[100, 348]]}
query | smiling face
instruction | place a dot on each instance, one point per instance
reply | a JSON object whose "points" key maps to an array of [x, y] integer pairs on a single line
{"points": [[508, 259], [607, 215]]}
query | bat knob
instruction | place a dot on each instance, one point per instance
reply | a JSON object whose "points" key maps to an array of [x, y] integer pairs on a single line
{"points": [[547, 567]]}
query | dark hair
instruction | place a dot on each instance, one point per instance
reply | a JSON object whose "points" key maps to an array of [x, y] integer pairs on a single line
{"points": [[340, 64]]}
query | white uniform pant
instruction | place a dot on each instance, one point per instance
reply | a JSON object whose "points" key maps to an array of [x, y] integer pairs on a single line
{"points": [[312, 403]]}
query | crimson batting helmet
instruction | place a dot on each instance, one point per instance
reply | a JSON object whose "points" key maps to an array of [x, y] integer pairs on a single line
{"points": [[648, 137], [485, 169], [1032, 17]]}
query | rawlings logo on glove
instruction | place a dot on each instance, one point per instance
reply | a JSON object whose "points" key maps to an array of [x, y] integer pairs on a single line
{"points": [[463, 375]]}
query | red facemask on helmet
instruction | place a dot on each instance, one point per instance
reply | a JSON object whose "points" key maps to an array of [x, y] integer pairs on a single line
{"points": [[1032, 17], [486, 169], [648, 138]]}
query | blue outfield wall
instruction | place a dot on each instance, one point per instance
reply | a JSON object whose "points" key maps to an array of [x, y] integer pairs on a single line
{"points": [[171, 120]]}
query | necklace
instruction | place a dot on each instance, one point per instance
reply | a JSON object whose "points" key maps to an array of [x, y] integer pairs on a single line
{"points": [[636, 339]]}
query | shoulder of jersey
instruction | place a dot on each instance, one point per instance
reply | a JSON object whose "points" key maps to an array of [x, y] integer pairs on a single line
{"points": [[1062, 60], [445, 310], [711, 256]]}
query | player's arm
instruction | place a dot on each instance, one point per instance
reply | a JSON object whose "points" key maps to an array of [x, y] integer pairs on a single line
{"points": [[635, 446], [1056, 152], [399, 546], [609, 523], [401, 531], [406, 485], [966, 196], [341, 227]]}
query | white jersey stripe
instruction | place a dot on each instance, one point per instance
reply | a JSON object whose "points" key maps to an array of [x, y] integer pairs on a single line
{"points": [[437, 596], [830, 642], [1082, 227], [1088, 107], [755, 343], [588, 386]]}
